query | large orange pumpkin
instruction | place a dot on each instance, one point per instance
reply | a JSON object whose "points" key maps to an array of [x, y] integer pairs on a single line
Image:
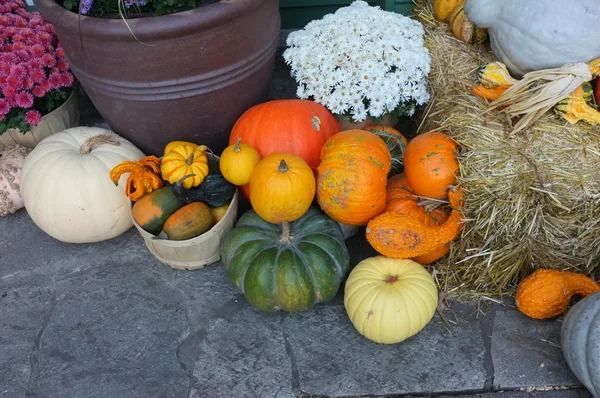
{"points": [[430, 164], [352, 177], [296, 126]]}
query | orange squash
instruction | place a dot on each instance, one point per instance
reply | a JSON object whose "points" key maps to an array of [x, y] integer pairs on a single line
{"points": [[352, 176], [400, 199], [282, 188], [398, 235], [443, 8], [190, 221], [546, 293], [430, 164], [395, 141]]}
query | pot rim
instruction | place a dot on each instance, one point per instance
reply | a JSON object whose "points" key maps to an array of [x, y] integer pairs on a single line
{"points": [[150, 28]]}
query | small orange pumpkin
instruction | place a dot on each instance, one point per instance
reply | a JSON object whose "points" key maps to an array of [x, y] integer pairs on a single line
{"points": [[352, 176], [282, 188], [443, 8], [430, 164]]}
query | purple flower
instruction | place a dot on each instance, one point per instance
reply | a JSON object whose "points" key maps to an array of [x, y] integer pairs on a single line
{"points": [[85, 6]]}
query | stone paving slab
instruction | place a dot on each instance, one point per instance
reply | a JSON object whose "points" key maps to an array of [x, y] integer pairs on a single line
{"points": [[526, 352], [333, 359]]}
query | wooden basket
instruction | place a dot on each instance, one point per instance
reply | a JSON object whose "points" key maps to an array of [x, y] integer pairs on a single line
{"points": [[197, 252]]}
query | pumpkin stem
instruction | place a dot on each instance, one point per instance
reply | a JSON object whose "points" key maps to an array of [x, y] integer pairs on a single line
{"points": [[285, 233], [94, 142], [236, 148], [283, 167], [391, 279], [185, 178], [190, 159]]}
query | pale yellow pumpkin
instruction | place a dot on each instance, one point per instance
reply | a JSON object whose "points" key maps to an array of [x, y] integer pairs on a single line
{"points": [[389, 300]]}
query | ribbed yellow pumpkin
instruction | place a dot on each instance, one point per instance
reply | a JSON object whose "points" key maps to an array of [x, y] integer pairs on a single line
{"points": [[389, 300], [183, 160]]}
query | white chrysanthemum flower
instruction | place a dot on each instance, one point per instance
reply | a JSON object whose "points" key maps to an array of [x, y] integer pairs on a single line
{"points": [[361, 60]]}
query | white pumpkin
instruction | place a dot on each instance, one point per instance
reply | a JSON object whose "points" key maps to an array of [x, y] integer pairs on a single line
{"points": [[66, 186], [11, 163], [529, 35], [389, 300]]}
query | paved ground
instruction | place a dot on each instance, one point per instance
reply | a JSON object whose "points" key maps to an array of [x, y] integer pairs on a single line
{"points": [[107, 320]]}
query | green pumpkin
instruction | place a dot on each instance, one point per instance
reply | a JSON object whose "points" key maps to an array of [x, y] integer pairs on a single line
{"points": [[288, 266]]}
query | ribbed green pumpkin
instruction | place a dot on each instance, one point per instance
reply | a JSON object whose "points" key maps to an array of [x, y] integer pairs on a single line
{"points": [[288, 266]]}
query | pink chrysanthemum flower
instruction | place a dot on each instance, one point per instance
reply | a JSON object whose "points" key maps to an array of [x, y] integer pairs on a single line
{"points": [[15, 82], [33, 117], [37, 50], [4, 106], [24, 99], [48, 60], [55, 80], [66, 79], [37, 75], [38, 91]]}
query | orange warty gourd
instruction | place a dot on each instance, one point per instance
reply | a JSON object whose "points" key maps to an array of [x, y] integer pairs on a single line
{"points": [[546, 293], [397, 235], [282, 188], [296, 126], [430, 164], [352, 177], [400, 199]]}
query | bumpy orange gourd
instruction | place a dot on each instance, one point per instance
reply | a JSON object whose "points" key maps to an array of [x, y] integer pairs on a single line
{"points": [[282, 188], [352, 176], [546, 293], [183, 160], [430, 164], [401, 199], [144, 176], [399, 235], [443, 8]]}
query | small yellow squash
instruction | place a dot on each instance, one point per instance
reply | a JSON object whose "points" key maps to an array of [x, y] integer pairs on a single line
{"points": [[183, 160], [238, 162]]}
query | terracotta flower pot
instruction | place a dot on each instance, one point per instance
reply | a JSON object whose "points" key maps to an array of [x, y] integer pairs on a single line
{"points": [[348, 124], [183, 76], [62, 118]]}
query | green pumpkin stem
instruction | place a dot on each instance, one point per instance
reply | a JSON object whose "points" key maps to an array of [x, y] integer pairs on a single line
{"points": [[190, 159], [236, 148], [285, 233], [283, 167]]}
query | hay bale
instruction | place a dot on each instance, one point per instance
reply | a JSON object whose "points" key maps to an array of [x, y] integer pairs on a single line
{"points": [[532, 199]]}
